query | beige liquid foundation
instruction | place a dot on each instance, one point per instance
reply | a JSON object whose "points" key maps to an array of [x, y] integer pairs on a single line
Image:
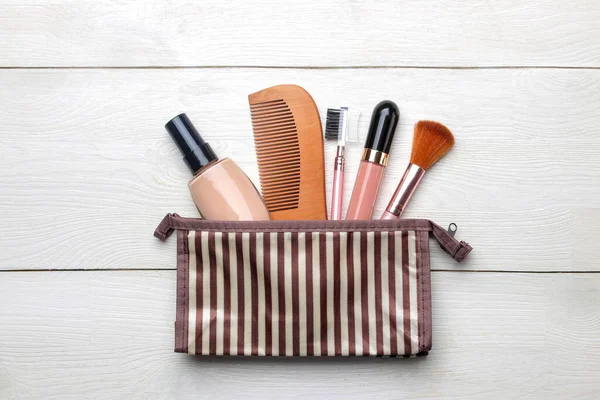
{"points": [[219, 188]]}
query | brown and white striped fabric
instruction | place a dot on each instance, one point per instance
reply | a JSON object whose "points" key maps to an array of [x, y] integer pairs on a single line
{"points": [[300, 289]]}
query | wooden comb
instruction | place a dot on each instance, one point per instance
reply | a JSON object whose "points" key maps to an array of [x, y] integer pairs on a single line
{"points": [[289, 149]]}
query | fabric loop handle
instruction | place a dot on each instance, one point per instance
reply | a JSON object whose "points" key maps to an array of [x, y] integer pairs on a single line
{"points": [[166, 227]]}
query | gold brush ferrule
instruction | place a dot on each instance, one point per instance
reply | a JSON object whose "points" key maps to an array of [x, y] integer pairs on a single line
{"points": [[375, 156]]}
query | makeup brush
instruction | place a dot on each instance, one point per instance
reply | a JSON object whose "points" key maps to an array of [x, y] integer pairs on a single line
{"points": [[341, 125], [333, 130], [431, 141]]}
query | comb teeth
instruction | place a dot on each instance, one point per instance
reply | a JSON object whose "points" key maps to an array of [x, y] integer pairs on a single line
{"points": [[332, 124], [278, 154]]}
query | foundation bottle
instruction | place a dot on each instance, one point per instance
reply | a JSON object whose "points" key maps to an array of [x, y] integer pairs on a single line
{"points": [[219, 188]]}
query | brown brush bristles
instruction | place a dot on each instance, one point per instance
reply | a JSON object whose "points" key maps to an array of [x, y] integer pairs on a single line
{"points": [[431, 141]]}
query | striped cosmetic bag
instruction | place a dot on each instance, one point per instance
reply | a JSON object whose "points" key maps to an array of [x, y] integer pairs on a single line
{"points": [[304, 288]]}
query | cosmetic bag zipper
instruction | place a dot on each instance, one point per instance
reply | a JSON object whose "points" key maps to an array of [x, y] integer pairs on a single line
{"points": [[458, 250]]}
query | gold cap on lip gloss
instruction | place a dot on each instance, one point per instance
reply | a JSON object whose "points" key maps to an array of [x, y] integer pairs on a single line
{"points": [[375, 156]]}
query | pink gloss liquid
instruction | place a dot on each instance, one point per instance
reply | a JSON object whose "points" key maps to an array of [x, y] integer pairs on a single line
{"points": [[365, 190]]}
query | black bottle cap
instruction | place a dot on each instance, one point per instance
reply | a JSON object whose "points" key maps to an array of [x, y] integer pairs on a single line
{"points": [[196, 152], [382, 127]]}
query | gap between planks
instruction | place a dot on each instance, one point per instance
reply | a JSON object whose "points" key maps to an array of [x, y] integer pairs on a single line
{"points": [[499, 67], [174, 269]]}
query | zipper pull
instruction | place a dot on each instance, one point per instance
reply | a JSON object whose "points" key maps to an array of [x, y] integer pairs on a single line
{"points": [[452, 228], [445, 238]]}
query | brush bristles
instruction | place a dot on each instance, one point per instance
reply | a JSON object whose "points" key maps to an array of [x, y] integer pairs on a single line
{"points": [[431, 141], [332, 124]]}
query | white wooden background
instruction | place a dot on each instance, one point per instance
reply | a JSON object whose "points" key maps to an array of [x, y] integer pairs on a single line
{"points": [[87, 295]]}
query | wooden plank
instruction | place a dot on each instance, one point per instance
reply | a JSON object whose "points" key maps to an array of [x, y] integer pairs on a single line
{"points": [[74, 335], [268, 33], [572, 336], [87, 169]]}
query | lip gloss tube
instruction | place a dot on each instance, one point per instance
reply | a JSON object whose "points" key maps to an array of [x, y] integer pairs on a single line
{"points": [[374, 160]]}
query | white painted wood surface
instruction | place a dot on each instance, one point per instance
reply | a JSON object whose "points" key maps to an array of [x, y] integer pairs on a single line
{"points": [[87, 160], [74, 335], [300, 33], [87, 171]]}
